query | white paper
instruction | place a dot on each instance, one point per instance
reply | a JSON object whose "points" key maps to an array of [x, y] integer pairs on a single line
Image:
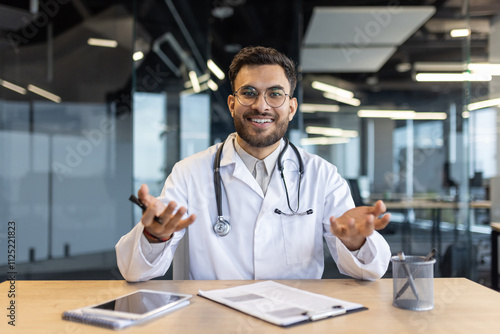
{"points": [[276, 303]]}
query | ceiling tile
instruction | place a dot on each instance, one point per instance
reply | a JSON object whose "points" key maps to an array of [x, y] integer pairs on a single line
{"points": [[389, 25], [345, 60], [358, 39], [13, 18]]}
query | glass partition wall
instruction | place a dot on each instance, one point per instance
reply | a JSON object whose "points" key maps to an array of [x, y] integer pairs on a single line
{"points": [[92, 105], [65, 132]]}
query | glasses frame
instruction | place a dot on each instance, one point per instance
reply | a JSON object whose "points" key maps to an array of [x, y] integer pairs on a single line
{"points": [[257, 96]]}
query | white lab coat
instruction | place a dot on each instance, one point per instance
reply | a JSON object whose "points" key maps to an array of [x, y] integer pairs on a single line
{"points": [[261, 244]]}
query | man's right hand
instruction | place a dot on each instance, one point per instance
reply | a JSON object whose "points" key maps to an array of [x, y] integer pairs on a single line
{"points": [[170, 222]]}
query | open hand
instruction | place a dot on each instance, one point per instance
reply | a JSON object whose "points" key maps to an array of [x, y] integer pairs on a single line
{"points": [[356, 224]]}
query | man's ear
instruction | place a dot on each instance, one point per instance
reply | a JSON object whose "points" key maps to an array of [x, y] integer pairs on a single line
{"points": [[293, 108], [230, 104]]}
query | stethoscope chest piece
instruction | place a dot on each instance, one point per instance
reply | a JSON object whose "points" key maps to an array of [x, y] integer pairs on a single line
{"points": [[222, 227]]}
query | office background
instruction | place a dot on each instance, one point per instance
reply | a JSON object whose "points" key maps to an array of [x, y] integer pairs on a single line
{"points": [[97, 98]]}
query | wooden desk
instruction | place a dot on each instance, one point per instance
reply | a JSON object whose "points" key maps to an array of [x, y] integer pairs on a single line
{"points": [[461, 306]]}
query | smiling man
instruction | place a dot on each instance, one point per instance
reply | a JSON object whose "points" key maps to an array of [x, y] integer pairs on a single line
{"points": [[256, 206], [260, 122]]}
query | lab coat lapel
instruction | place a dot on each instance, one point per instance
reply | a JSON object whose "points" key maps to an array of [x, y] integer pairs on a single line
{"points": [[276, 194], [240, 171]]}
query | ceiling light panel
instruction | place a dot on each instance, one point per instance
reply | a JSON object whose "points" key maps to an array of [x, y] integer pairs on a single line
{"points": [[13, 87], [401, 114], [351, 101], [452, 77], [215, 69], [312, 108], [107, 43], [484, 104], [332, 89], [46, 94], [439, 66], [323, 141], [331, 132], [455, 33], [194, 81]]}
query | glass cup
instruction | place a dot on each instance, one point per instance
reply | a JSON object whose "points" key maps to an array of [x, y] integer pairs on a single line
{"points": [[413, 283]]}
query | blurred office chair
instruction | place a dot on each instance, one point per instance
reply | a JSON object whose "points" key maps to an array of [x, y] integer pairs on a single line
{"points": [[181, 259], [355, 192]]}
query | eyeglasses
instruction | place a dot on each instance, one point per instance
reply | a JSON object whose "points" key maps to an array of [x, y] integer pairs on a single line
{"points": [[274, 96]]}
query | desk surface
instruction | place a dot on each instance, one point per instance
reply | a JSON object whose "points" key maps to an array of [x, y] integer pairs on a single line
{"points": [[461, 306]]}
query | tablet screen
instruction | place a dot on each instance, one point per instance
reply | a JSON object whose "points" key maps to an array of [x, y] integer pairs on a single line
{"points": [[139, 302]]}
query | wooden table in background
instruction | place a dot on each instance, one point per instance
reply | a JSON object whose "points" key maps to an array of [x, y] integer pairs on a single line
{"points": [[480, 204], [461, 306]]}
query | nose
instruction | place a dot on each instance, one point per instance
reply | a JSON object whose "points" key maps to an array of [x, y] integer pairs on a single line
{"points": [[260, 103]]}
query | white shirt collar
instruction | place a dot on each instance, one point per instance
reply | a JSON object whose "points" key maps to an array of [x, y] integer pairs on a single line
{"points": [[250, 161]]}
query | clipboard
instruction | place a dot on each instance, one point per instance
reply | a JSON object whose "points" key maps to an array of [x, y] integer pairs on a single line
{"points": [[280, 304]]}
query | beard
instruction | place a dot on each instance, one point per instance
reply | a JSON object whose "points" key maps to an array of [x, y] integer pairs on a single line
{"points": [[256, 137]]}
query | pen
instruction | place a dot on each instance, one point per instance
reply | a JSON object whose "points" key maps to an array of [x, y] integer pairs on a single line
{"points": [[137, 201], [408, 274], [407, 284], [318, 315]]}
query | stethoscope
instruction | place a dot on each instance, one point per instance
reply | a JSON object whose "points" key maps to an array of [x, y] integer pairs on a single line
{"points": [[222, 227]]}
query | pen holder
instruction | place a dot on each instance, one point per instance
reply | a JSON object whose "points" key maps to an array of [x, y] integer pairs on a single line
{"points": [[413, 283]]}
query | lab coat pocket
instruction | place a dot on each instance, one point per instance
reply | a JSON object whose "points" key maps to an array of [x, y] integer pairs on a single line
{"points": [[299, 233]]}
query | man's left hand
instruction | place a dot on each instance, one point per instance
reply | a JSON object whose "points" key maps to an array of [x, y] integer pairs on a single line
{"points": [[355, 225]]}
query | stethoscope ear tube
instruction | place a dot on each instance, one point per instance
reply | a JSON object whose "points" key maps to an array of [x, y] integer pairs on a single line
{"points": [[221, 226], [217, 182], [280, 157]]}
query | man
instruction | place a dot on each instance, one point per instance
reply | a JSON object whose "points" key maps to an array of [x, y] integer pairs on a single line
{"points": [[278, 222]]}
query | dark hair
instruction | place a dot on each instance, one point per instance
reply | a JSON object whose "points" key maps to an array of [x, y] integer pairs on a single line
{"points": [[259, 55]]}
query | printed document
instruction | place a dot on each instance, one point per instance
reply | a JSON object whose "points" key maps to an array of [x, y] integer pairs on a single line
{"points": [[280, 304]]}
